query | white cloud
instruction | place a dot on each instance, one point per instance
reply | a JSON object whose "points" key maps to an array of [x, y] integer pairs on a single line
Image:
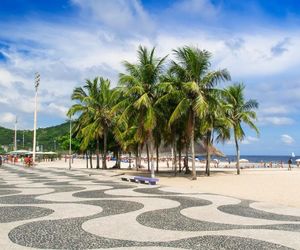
{"points": [[63, 64], [230, 142], [287, 139], [249, 140], [57, 109], [255, 56], [275, 120], [7, 118], [202, 8], [67, 53], [246, 142], [246, 56], [252, 139], [281, 47], [235, 43], [117, 14], [278, 109], [5, 77]]}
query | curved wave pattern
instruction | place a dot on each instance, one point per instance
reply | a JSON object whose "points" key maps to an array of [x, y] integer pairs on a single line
{"points": [[51, 208]]}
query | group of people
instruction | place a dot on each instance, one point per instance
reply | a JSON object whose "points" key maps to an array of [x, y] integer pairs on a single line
{"points": [[3, 159], [279, 164], [27, 160]]}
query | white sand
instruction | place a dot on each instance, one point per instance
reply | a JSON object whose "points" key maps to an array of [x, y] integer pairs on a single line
{"points": [[272, 185], [276, 185]]}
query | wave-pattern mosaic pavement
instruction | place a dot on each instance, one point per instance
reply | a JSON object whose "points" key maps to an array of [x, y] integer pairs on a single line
{"points": [[63, 209]]}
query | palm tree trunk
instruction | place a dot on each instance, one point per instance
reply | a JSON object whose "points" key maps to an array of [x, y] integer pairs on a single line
{"points": [[172, 156], [129, 159], [186, 162], [97, 153], [237, 154], [175, 159], [137, 158], [104, 149], [208, 158], [118, 160], [87, 159], [194, 174], [151, 149], [91, 159], [179, 156], [157, 158], [148, 158]]}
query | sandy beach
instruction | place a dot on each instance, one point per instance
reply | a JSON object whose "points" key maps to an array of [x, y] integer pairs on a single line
{"points": [[270, 185]]}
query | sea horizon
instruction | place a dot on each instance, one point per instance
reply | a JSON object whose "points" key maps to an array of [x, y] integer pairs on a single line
{"points": [[258, 158]]}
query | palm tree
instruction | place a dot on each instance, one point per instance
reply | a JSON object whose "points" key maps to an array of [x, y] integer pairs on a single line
{"points": [[192, 68], [214, 123], [240, 111], [125, 137], [85, 98], [94, 104], [139, 89]]}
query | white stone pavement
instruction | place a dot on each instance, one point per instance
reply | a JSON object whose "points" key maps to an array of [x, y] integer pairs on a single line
{"points": [[61, 209]]}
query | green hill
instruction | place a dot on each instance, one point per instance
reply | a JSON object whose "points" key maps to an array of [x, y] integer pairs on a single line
{"points": [[46, 137]]}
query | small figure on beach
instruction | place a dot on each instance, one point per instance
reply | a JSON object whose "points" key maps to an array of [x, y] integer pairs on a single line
{"points": [[290, 164]]}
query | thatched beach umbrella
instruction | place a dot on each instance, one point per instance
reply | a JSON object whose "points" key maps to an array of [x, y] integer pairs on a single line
{"points": [[201, 149]]}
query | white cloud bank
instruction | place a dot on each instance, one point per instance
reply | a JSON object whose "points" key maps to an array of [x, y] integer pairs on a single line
{"points": [[287, 139], [193, 7], [7, 118], [108, 32], [250, 140], [119, 15], [276, 120], [247, 140]]}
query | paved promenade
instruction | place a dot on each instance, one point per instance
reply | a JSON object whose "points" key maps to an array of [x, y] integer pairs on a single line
{"points": [[62, 209]]}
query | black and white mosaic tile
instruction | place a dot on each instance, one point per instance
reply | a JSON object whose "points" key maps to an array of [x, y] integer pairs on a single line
{"points": [[39, 208]]}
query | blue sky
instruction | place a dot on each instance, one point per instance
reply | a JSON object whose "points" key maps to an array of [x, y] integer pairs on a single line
{"points": [[68, 41]]}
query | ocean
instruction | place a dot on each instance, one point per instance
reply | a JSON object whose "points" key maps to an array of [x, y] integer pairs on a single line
{"points": [[258, 158]]}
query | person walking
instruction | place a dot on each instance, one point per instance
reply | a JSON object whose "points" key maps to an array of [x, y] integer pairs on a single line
{"points": [[0, 160], [290, 164]]}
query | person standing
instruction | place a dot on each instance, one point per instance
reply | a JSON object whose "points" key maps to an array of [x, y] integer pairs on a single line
{"points": [[0, 160], [290, 164]]}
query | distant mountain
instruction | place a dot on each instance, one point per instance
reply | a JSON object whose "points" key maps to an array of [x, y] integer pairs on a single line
{"points": [[46, 137]]}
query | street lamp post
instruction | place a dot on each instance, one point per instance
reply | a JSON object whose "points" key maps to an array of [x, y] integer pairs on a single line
{"points": [[70, 145], [36, 85], [15, 139]]}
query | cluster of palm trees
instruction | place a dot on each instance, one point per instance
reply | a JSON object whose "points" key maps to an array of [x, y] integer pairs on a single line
{"points": [[162, 102]]}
